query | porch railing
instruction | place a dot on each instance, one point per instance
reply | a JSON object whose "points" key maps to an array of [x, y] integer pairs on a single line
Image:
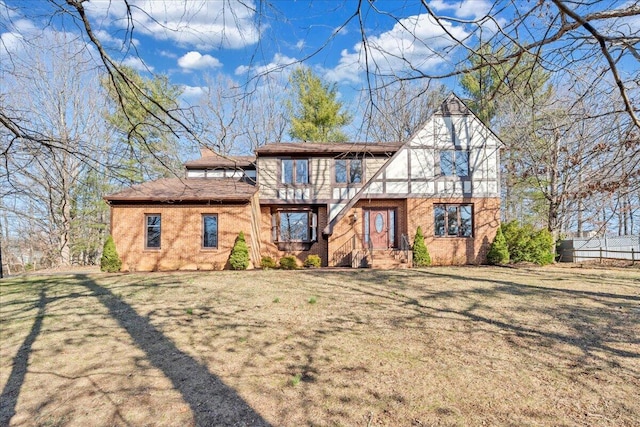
{"points": [[405, 245]]}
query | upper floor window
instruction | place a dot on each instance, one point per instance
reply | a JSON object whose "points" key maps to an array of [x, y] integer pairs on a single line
{"points": [[210, 231], [295, 171], [348, 171], [152, 231], [454, 163], [453, 220]]}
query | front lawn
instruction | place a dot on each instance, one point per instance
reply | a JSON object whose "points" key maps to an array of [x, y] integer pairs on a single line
{"points": [[436, 346]]}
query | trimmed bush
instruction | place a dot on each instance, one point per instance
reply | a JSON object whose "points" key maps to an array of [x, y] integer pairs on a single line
{"points": [[110, 261], [267, 263], [312, 261], [498, 252], [421, 257], [239, 259], [526, 244], [289, 262]]}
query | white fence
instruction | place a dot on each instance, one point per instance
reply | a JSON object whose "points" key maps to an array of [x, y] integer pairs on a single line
{"points": [[599, 248]]}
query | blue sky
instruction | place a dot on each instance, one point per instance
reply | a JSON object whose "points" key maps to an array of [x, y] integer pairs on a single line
{"points": [[187, 40], [241, 39]]}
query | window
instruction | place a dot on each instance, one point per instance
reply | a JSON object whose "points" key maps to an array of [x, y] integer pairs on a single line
{"points": [[210, 231], [295, 171], [453, 220], [348, 171], [294, 226], [454, 163], [152, 231]]}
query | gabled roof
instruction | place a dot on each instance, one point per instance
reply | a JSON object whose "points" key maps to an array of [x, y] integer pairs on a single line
{"points": [[325, 149], [186, 190], [451, 106]]}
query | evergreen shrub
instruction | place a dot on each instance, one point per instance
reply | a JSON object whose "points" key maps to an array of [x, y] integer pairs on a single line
{"points": [[267, 263], [421, 257], [312, 261], [498, 252], [110, 261], [239, 259], [526, 244], [288, 262]]}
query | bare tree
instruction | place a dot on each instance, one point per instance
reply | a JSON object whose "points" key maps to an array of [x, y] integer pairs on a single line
{"points": [[395, 111], [57, 99]]}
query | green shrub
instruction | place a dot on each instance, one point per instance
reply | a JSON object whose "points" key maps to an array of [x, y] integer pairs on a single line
{"points": [[110, 261], [312, 261], [239, 259], [498, 252], [267, 263], [289, 262], [527, 244], [421, 257]]}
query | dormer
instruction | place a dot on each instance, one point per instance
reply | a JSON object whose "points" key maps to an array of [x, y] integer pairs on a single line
{"points": [[213, 165]]}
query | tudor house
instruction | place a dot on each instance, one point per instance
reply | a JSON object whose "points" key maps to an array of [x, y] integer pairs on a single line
{"points": [[352, 204]]}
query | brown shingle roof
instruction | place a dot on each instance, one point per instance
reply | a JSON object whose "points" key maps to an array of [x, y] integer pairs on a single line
{"points": [[217, 161], [186, 190], [310, 148]]}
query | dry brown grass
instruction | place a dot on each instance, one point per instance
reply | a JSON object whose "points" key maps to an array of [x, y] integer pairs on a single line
{"points": [[438, 346]]}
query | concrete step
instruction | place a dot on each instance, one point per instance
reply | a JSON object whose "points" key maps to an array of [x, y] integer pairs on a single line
{"points": [[390, 259]]}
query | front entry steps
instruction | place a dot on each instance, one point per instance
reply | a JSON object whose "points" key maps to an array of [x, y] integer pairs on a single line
{"points": [[383, 259]]}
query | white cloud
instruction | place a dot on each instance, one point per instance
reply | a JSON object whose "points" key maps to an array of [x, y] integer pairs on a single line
{"points": [[280, 63], [168, 54], [474, 9], [191, 94], [301, 43], [204, 24], [196, 61], [414, 43]]}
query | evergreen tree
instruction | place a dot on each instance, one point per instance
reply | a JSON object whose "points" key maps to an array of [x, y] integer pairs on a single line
{"points": [[491, 85], [110, 261], [239, 259], [150, 148], [315, 112], [421, 257], [498, 252]]}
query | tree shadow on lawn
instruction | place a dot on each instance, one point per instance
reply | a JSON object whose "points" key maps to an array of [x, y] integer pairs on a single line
{"points": [[588, 336], [11, 390], [211, 401]]}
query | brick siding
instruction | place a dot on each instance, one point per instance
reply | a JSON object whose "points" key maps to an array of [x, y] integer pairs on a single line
{"points": [[181, 239], [456, 250], [412, 213]]}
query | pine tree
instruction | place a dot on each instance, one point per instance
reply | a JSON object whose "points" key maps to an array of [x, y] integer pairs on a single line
{"points": [[150, 148], [239, 259], [315, 112], [110, 261], [421, 257], [498, 252]]}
